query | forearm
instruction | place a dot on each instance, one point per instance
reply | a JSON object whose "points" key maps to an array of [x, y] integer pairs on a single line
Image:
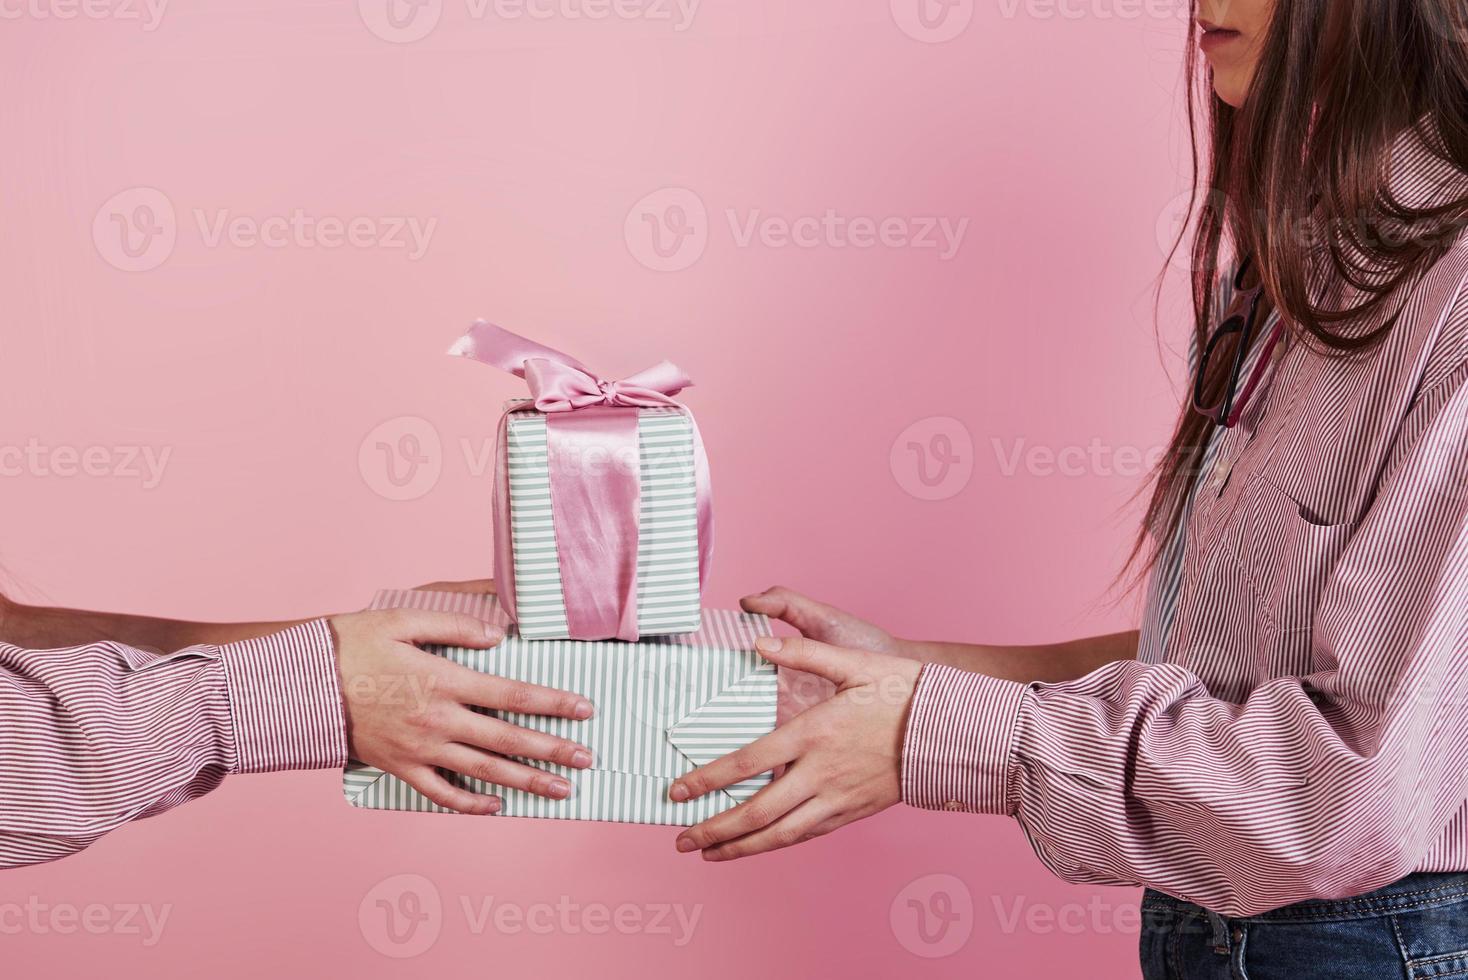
{"points": [[100, 733], [1047, 663], [44, 628]]}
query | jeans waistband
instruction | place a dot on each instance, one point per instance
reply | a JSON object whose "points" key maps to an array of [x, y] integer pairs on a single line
{"points": [[1416, 891]]}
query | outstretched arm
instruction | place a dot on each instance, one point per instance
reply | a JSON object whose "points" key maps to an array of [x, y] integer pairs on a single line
{"points": [[99, 733], [42, 627], [1047, 663]]}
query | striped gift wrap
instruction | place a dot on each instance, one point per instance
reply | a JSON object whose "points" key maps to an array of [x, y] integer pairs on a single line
{"points": [[667, 555], [663, 706]]}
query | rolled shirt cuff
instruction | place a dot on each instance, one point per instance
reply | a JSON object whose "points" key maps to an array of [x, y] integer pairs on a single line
{"points": [[957, 750], [285, 700]]}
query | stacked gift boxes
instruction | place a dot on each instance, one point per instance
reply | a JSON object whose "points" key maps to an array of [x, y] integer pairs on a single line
{"points": [[603, 537]]}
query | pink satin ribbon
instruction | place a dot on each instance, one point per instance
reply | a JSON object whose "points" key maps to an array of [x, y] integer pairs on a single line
{"points": [[595, 476]]}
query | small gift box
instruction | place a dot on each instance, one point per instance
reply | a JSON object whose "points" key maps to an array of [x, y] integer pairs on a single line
{"points": [[602, 514], [663, 706]]}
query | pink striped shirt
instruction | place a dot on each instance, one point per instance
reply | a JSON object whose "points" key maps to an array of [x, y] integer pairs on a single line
{"points": [[96, 735], [1303, 733]]}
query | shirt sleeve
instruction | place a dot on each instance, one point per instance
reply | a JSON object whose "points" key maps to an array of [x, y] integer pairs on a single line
{"points": [[1320, 786], [97, 735]]}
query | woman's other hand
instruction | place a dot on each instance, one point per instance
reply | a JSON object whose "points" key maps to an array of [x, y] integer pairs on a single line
{"points": [[800, 690], [820, 622]]}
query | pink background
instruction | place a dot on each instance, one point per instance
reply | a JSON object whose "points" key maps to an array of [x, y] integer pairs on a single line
{"points": [[265, 372]]}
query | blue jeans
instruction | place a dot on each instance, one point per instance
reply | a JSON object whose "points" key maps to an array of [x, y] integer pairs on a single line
{"points": [[1414, 929]]}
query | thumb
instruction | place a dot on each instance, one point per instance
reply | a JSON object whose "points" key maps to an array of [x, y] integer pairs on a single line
{"points": [[450, 628], [798, 653]]}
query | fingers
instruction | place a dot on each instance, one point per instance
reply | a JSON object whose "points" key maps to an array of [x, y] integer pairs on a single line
{"points": [[516, 697], [451, 629], [493, 769], [503, 738], [477, 586], [432, 785], [798, 610], [756, 813], [799, 825], [762, 755], [799, 653]]}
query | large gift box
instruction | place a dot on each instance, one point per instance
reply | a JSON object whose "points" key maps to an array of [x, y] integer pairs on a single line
{"points": [[602, 515], [663, 706]]}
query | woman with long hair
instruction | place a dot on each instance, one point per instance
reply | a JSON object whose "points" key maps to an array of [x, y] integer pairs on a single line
{"points": [[1279, 752]]}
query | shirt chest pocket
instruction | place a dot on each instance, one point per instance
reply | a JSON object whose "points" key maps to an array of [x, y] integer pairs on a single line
{"points": [[1288, 559], [1252, 583]]}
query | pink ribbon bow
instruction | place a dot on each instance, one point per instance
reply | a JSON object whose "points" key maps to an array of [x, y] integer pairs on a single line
{"points": [[594, 516]]}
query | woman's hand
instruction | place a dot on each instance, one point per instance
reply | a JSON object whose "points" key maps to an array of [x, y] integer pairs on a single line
{"points": [[800, 691], [407, 710], [843, 756], [820, 622]]}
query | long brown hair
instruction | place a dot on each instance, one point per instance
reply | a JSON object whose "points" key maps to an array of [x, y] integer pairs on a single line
{"points": [[1337, 83]]}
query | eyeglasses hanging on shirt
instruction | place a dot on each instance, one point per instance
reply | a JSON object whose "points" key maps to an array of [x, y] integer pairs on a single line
{"points": [[1215, 395]]}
